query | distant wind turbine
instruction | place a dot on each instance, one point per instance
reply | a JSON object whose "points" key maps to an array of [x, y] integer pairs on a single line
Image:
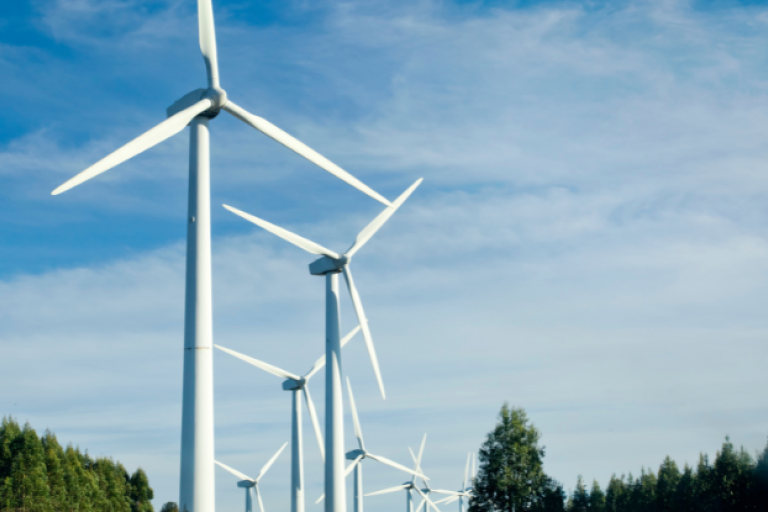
{"points": [[197, 108], [330, 265], [410, 486], [251, 485], [466, 490], [296, 385]]}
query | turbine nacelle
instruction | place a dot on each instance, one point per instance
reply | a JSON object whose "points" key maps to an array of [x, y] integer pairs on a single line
{"points": [[327, 265], [294, 385], [246, 483], [217, 95], [353, 454]]}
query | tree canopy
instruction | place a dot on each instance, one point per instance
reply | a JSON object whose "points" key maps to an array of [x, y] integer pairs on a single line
{"points": [[37, 474]]}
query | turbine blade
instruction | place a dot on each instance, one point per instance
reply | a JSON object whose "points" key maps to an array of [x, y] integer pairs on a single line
{"points": [[302, 149], [423, 501], [373, 227], [391, 489], [298, 241], [315, 423], [447, 500], [235, 472], [269, 463], [421, 450], [451, 493], [274, 370], [321, 498], [355, 420], [394, 464], [258, 496], [364, 325], [208, 41], [146, 140], [352, 466], [431, 504], [466, 471], [321, 362]]}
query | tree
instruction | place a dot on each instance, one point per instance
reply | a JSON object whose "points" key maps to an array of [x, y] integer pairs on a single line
{"points": [[596, 498], [760, 480], [552, 499], [579, 501], [614, 494], [141, 492], [170, 507], [511, 476], [666, 486]]}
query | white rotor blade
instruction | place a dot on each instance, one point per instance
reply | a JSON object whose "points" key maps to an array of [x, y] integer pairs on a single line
{"points": [[321, 361], [302, 149], [466, 471], [391, 489], [269, 463], [423, 501], [352, 466], [441, 491], [274, 370], [421, 449], [427, 499], [474, 469], [258, 497], [298, 241], [449, 499], [313, 417], [208, 40], [355, 420], [235, 472], [394, 464], [146, 140], [364, 325], [373, 227], [321, 498]]}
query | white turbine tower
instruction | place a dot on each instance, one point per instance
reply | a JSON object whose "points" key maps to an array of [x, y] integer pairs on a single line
{"points": [[330, 265], [251, 485], [465, 491], [409, 486], [296, 385], [197, 108]]}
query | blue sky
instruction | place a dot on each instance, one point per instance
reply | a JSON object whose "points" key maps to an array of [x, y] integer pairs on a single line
{"points": [[589, 242]]}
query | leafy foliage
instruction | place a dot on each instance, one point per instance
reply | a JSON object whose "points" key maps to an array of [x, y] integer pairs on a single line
{"points": [[511, 476], [38, 475]]}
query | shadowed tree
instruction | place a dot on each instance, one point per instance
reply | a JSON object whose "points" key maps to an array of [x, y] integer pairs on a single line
{"points": [[666, 486], [511, 476], [579, 501], [552, 499], [170, 507], [141, 492], [685, 493], [614, 494], [596, 498]]}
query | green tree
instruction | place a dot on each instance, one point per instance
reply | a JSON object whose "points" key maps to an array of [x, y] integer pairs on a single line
{"points": [[596, 498], [732, 480], [552, 499], [685, 493], [579, 500], [666, 486], [614, 494], [511, 476], [170, 507], [760, 480], [141, 492]]}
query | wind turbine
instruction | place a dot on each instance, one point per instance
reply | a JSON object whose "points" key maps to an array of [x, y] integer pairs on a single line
{"points": [[409, 486], [465, 491], [296, 385], [251, 485], [357, 456], [197, 108], [330, 265]]}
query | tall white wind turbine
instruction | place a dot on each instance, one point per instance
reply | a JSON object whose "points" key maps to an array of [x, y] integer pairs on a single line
{"points": [[410, 486], [196, 109], [251, 485], [330, 265], [297, 385]]}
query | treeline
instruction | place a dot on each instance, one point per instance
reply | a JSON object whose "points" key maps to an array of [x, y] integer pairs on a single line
{"points": [[511, 478], [38, 475], [735, 482]]}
